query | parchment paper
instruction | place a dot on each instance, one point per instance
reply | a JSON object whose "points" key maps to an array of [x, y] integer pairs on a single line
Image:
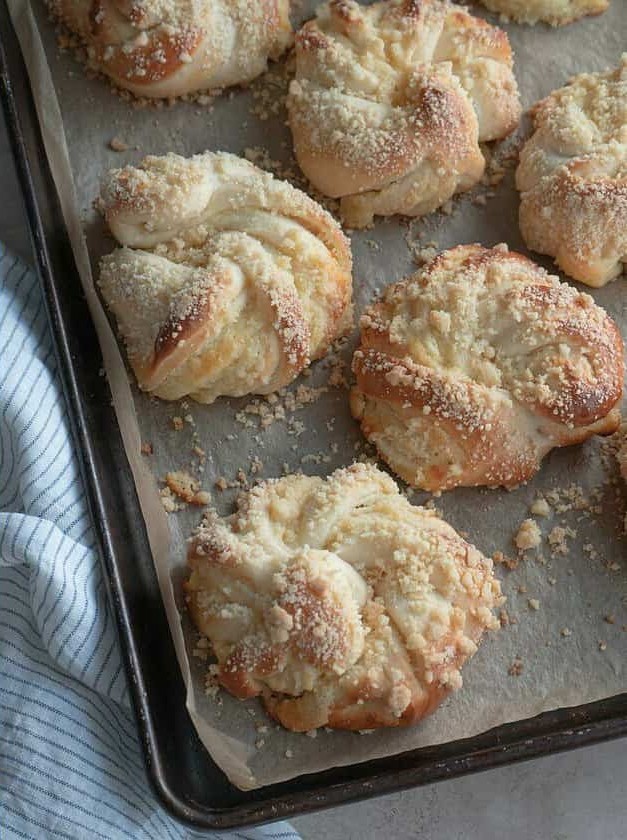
{"points": [[570, 644]]}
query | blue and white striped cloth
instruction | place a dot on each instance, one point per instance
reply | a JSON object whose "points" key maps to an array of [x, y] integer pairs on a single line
{"points": [[70, 761]]}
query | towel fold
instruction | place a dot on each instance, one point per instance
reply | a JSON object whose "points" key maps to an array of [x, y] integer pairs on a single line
{"points": [[70, 761]]}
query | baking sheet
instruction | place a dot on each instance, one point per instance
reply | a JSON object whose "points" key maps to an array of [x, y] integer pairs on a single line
{"points": [[568, 651]]}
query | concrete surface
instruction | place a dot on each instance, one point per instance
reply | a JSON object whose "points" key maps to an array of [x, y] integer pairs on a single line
{"points": [[580, 795]]}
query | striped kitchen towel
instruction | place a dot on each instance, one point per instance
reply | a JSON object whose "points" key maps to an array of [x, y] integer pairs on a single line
{"points": [[70, 761]]}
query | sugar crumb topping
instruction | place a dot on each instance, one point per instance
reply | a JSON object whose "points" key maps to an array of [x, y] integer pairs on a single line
{"points": [[357, 593]]}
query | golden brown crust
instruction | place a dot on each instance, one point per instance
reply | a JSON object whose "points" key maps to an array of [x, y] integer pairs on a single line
{"points": [[391, 100], [555, 12], [338, 602], [166, 48], [471, 370], [573, 177], [229, 282]]}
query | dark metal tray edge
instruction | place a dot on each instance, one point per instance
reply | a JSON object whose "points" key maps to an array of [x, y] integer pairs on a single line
{"points": [[115, 512]]}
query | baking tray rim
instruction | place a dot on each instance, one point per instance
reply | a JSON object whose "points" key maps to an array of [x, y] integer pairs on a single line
{"points": [[550, 732]]}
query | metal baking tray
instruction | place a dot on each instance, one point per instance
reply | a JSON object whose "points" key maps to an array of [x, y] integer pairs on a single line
{"points": [[190, 786]]}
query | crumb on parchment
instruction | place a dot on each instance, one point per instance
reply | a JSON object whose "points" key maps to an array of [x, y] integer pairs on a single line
{"points": [[116, 144], [168, 500], [528, 535], [503, 617], [557, 539], [187, 488], [202, 649], [540, 507], [212, 685], [501, 559], [516, 668]]}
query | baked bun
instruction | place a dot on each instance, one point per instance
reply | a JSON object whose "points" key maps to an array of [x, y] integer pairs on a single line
{"points": [[572, 177], [390, 102], [472, 369], [555, 12], [339, 602], [229, 281], [174, 47]]}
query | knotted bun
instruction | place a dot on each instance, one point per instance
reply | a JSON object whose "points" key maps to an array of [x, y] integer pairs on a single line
{"points": [[391, 100], [165, 48], [572, 177], [338, 602], [229, 281], [472, 369]]}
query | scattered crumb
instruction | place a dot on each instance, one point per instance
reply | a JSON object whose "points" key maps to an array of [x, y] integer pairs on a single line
{"points": [[534, 604], [202, 649], [146, 449], [183, 484], [565, 499], [212, 686], [316, 458], [516, 668], [202, 498], [177, 423], [118, 145], [528, 536], [591, 551], [256, 465], [498, 556], [168, 500], [557, 539], [289, 754], [276, 407], [602, 645], [504, 618], [186, 487], [540, 507], [609, 619], [566, 632], [269, 91], [421, 256]]}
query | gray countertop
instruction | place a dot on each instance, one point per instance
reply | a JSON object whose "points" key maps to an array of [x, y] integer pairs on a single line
{"points": [[580, 795]]}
